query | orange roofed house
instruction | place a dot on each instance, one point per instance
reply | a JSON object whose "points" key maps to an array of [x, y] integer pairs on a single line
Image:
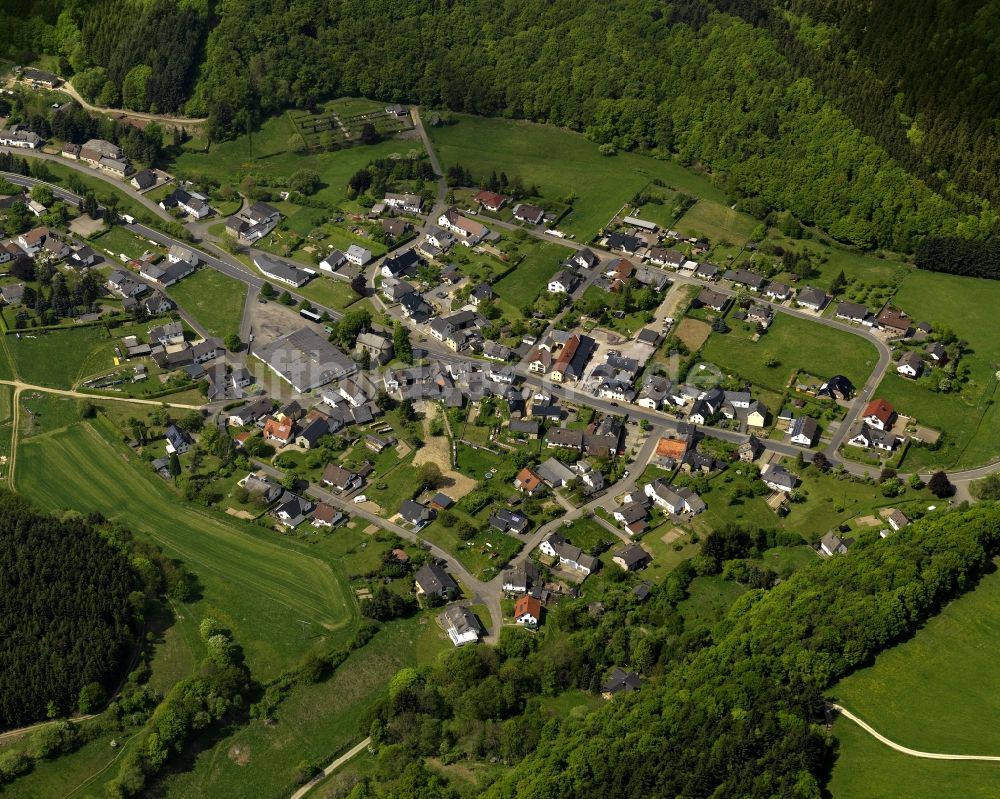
{"points": [[275, 430], [528, 611], [527, 482], [670, 451], [879, 414]]}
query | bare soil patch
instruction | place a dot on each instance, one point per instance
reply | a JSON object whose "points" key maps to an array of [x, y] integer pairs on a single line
{"points": [[693, 332], [239, 754]]}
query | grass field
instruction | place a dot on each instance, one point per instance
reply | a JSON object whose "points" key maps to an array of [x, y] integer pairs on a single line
{"points": [[531, 276], [972, 422], [215, 300], [795, 344], [716, 221], [279, 600], [867, 769], [116, 240], [55, 359], [102, 189], [940, 690], [561, 163], [314, 723], [272, 159]]}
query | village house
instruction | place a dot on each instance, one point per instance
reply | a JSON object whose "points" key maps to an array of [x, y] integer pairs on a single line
{"points": [[411, 203], [469, 231], [895, 322], [879, 414], [531, 214], [812, 298], [680, 501], [461, 625], [778, 478], [178, 440], [527, 611], [632, 558], [804, 431], [620, 682], [870, 437], [280, 271], [570, 556], [432, 580], [716, 300], [832, 544], [910, 364], [327, 516], [528, 482], [490, 200], [253, 223], [519, 578]]}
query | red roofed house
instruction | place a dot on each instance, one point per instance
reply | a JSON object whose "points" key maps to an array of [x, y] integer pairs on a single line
{"points": [[527, 482], [670, 451], [528, 611], [279, 431], [326, 516], [879, 414], [490, 200]]}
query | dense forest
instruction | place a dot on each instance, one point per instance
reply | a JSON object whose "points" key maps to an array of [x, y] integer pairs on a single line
{"points": [[737, 710], [777, 126], [69, 611]]}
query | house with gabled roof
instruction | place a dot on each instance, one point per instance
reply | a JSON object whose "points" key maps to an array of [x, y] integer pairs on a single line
{"points": [[527, 611], [879, 414], [432, 580], [461, 625]]}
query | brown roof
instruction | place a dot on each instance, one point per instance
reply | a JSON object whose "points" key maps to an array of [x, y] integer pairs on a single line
{"points": [[400, 555], [324, 513], [895, 319], [35, 236], [490, 199]]}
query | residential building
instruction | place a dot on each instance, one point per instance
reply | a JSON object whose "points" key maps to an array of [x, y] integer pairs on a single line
{"points": [[910, 364], [527, 611], [433, 580], [777, 478], [469, 231], [570, 556], [531, 214], [490, 200], [520, 577], [461, 625], [340, 479], [832, 544], [870, 437], [416, 514], [528, 482], [411, 203], [178, 440], [620, 682], [716, 300], [812, 298], [280, 271], [632, 558], [804, 431], [879, 414]]}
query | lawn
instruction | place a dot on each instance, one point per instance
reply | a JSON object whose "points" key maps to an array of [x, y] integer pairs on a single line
{"points": [[541, 261], [967, 437], [562, 164], [717, 222], [226, 162], [966, 306], [279, 600], [55, 359], [795, 344], [213, 299], [314, 723], [102, 189], [708, 599], [117, 241], [867, 769], [939, 691]]}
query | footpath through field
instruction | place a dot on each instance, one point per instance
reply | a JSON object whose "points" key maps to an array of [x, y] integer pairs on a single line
{"points": [[906, 750]]}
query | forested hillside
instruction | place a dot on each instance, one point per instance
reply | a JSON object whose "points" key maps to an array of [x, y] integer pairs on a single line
{"points": [[674, 79], [922, 76], [735, 712], [67, 617]]}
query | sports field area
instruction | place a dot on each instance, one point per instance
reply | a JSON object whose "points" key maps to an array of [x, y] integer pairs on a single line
{"points": [[561, 163], [279, 599]]}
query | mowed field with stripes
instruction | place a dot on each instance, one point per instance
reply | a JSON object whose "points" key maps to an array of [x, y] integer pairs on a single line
{"points": [[280, 599]]}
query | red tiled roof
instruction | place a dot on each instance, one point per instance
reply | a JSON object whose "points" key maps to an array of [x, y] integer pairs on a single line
{"points": [[880, 409], [527, 605]]}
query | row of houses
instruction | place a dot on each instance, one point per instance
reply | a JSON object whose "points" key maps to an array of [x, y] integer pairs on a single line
{"points": [[100, 154]]}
